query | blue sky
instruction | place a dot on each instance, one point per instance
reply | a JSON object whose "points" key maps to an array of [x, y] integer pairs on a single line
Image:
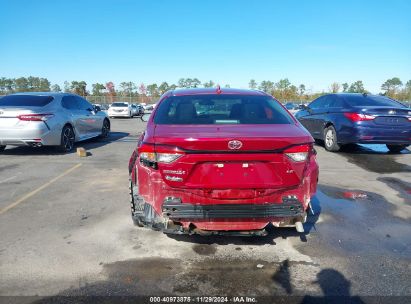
{"points": [[227, 41]]}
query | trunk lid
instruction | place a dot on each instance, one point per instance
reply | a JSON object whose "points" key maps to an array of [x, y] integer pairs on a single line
{"points": [[9, 116], [243, 170], [391, 116], [215, 138], [119, 109]]}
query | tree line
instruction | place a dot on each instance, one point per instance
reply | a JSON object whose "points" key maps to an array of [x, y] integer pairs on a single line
{"points": [[282, 90]]}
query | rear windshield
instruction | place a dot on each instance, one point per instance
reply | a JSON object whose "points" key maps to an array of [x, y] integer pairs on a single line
{"points": [[25, 101], [221, 109], [119, 104], [369, 101]]}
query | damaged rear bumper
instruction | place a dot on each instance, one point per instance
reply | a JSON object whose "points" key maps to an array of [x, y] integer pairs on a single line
{"points": [[229, 219], [222, 219], [174, 210]]}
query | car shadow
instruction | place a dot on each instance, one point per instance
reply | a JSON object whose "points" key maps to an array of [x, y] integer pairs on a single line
{"points": [[375, 158], [118, 137], [370, 149], [377, 149], [88, 144]]}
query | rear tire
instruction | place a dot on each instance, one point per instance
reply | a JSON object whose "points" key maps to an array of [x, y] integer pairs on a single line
{"points": [[67, 139], [396, 148], [105, 130], [137, 206], [330, 139], [137, 222], [2, 148]]}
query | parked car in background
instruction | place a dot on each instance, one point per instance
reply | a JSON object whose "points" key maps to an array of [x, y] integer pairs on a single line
{"points": [[292, 107], [49, 119], [289, 106], [104, 107], [120, 109], [97, 107], [134, 110], [340, 119], [140, 109], [227, 161], [149, 107], [137, 110], [101, 107]]}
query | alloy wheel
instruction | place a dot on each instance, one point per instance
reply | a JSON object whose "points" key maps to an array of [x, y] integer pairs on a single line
{"points": [[329, 138], [68, 139], [106, 128]]}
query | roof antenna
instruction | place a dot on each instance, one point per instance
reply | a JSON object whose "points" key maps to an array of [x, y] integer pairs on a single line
{"points": [[364, 94]]}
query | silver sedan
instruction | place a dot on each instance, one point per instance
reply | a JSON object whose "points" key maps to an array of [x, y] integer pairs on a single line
{"points": [[49, 119]]}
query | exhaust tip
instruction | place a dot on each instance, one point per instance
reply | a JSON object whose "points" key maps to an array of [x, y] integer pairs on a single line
{"points": [[36, 144]]}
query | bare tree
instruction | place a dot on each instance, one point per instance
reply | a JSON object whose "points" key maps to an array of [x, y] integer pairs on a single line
{"points": [[335, 87], [111, 90]]}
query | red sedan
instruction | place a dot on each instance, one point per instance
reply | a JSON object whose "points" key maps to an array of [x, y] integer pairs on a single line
{"points": [[227, 161]]}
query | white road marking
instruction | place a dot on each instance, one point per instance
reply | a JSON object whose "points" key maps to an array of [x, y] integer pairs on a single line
{"points": [[7, 179], [28, 195]]}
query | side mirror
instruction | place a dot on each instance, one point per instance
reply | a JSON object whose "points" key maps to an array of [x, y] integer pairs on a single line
{"points": [[97, 109], [92, 110], [145, 117]]}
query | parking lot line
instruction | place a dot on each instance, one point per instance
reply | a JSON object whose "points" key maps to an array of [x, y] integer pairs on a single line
{"points": [[7, 179], [28, 195]]}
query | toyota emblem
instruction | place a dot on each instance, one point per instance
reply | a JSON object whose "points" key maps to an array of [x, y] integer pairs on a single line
{"points": [[235, 144]]}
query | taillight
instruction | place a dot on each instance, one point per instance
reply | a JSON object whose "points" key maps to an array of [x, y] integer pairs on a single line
{"points": [[358, 117], [35, 117], [167, 157], [159, 154], [166, 154], [149, 156], [298, 153]]}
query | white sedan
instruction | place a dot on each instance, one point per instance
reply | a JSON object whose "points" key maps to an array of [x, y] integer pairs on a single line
{"points": [[38, 119], [120, 109]]}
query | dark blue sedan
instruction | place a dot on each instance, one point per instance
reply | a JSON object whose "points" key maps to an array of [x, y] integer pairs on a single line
{"points": [[340, 119]]}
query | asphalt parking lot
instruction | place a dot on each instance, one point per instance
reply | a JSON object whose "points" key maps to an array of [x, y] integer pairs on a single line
{"points": [[66, 230]]}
